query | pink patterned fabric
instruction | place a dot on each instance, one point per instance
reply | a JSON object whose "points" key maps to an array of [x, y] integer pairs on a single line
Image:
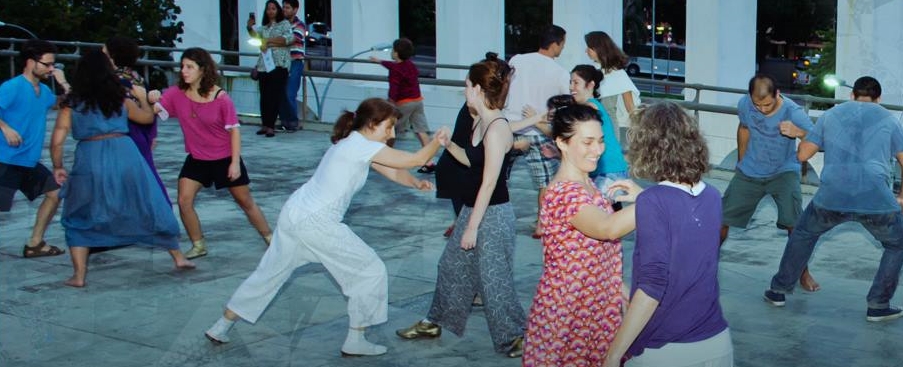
{"points": [[577, 307]]}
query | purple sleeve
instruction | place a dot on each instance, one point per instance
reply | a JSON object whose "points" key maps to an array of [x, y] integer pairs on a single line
{"points": [[652, 255]]}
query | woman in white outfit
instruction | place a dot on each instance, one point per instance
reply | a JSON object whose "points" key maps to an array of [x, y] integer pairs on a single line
{"points": [[619, 95], [310, 227]]}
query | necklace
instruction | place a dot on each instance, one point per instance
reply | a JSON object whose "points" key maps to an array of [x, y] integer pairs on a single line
{"points": [[194, 110]]}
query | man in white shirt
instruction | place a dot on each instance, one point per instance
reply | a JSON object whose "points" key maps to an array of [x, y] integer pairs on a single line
{"points": [[537, 77]]}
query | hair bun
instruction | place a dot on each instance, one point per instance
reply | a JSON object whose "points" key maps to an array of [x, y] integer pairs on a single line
{"points": [[492, 56]]}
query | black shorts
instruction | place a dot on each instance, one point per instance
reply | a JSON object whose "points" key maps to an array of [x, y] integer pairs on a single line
{"points": [[213, 172], [31, 181]]}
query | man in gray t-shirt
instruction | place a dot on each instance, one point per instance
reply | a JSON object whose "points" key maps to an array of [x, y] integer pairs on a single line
{"points": [[859, 139]]}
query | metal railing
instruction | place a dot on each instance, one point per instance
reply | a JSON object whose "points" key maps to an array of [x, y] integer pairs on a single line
{"points": [[146, 63]]}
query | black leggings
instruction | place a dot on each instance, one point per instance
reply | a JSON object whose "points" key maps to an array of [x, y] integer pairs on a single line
{"points": [[272, 92]]}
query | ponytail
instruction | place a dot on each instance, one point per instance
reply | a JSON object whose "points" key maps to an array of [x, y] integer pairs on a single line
{"points": [[369, 113], [589, 73], [343, 126]]}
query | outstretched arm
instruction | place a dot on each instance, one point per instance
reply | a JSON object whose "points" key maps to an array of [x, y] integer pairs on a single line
{"points": [[395, 158], [402, 177]]}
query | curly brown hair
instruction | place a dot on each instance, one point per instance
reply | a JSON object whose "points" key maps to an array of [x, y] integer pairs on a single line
{"points": [[666, 145], [207, 66]]}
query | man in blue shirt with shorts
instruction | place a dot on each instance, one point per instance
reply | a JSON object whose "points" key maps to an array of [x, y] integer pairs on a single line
{"points": [[766, 160], [859, 138], [24, 102]]}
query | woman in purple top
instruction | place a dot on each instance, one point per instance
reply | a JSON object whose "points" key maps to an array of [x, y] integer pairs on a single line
{"points": [[674, 317], [124, 52]]}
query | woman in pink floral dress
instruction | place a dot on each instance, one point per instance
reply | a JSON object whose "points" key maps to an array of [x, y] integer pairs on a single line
{"points": [[578, 302]]}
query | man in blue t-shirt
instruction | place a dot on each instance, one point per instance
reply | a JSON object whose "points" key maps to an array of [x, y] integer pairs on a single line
{"points": [[24, 102], [859, 138], [766, 160]]}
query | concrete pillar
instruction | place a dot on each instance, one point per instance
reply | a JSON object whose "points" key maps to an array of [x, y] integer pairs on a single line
{"points": [[358, 25], [465, 31], [868, 43], [721, 51], [579, 17], [200, 31]]}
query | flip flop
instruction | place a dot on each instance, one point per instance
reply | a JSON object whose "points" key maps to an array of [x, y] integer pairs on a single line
{"points": [[32, 252]]}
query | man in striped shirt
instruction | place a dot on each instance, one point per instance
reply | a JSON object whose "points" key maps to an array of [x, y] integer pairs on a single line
{"points": [[289, 108]]}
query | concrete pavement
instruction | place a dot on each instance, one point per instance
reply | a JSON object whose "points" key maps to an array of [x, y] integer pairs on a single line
{"points": [[138, 311]]}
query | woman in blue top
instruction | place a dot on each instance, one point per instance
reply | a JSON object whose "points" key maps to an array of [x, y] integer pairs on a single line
{"points": [[111, 195], [585, 80]]}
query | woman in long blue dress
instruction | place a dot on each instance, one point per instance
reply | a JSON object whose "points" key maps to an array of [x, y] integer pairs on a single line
{"points": [[111, 197]]}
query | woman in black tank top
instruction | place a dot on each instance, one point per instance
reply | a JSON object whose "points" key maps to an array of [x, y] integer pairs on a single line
{"points": [[479, 255]]}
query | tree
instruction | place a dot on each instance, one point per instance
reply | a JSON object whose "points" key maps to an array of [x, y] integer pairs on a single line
{"points": [[150, 22], [795, 21]]}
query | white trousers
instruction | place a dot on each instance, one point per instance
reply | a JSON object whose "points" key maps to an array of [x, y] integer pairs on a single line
{"points": [[302, 238]]}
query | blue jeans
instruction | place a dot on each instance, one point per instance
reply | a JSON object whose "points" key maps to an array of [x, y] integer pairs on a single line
{"points": [[288, 109], [887, 228]]}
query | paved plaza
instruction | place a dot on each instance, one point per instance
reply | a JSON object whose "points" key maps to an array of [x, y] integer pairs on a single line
{"points": [[138, 311]]}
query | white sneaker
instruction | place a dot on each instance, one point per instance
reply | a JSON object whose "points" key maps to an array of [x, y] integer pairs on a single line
{"points": [[362, 348], [217, 332]]}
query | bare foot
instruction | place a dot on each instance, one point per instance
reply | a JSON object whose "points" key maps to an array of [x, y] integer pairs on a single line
{"points": [[808, 283], [185, 264], [75, 282]]}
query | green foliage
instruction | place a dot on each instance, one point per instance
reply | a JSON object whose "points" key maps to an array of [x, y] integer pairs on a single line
{"points": [[418, 21], [795, 21], [825, 66], [524, 21], [150, 22]]}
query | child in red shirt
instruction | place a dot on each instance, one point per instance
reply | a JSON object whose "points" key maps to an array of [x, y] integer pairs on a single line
{"points": [[404, 92]]}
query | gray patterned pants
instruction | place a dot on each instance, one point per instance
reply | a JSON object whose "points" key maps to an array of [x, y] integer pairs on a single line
{"points": [[487, 269]]}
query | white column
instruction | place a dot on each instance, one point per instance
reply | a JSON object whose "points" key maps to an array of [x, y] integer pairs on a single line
{"points": [[465, 31], [579, 17], [721, 51], [201, 26], [869, 36], [358, 25]]}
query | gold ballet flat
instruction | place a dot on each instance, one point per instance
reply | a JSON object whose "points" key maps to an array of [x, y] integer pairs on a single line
{"points": [[421, 329], [517, 348]]}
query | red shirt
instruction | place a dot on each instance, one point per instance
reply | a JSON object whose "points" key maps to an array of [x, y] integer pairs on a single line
{"points": [[403, 83]]}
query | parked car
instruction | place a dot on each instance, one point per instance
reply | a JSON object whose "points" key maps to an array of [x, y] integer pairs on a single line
{"points": [[801, 75], [319, 33]]}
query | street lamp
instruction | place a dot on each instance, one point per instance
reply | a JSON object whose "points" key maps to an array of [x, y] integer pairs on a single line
{"points": [[386, 46], [832, 81], [4, 24]]}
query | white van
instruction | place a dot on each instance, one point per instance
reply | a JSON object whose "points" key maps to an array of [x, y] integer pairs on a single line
{"points": [[669, 61]]}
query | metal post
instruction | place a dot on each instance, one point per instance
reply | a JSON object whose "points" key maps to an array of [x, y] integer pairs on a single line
{"points": [[304, 69], [652, 67]]}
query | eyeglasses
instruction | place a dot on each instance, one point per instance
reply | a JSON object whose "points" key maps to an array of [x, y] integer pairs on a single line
{"points": [[46, 64]]}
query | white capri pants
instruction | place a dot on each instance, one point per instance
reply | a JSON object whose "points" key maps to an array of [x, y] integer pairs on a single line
{"points": [[301, 238], [716, 351]]}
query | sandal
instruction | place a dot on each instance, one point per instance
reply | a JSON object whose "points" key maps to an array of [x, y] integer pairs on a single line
{"points": [[31, 252]]}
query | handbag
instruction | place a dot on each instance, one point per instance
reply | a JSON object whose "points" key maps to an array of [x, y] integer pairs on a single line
{"points": [[254, 74]]}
